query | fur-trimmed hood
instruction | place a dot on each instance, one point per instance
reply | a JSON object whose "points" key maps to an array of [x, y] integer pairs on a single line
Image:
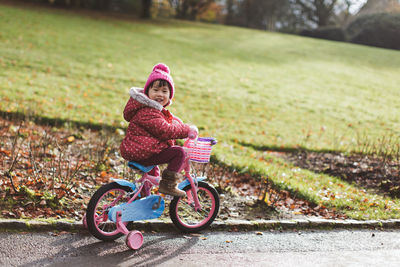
{"points": [[137, 101], [138, 95]]}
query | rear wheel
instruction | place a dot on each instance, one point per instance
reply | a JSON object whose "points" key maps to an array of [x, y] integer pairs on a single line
{"points": [[184, 215], [102, 201]]}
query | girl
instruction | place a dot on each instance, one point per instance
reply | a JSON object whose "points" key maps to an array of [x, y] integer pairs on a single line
{"points": [[150, 137]]}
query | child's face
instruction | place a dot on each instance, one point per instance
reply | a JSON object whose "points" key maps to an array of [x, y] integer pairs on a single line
{"points": [[159, 94]]}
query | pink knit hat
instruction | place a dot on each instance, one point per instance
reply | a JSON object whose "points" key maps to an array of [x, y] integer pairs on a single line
{"points": [[160, 71]]}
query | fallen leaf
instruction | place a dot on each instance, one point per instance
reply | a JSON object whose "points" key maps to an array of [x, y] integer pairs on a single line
{"points": [[197, 235], [59, 233]]}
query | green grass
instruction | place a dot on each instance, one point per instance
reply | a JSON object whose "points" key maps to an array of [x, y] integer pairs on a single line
{"points": [[242, 86]]}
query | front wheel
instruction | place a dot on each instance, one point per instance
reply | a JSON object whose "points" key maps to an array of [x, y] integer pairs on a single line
{"points": [[184, 215], [106, 197]]}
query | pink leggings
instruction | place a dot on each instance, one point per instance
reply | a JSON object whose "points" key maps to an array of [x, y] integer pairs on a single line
{"points": [[174, 156]]}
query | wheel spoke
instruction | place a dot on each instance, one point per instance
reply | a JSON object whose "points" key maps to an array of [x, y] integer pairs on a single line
{"points": [[98, 219], [105, 198], [188, 213]]}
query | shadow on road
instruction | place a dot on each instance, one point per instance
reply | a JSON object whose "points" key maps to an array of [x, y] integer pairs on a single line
{"points": [[68, 249]]}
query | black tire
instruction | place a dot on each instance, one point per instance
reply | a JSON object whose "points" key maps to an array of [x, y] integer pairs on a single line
{"points": [[179, 209], [106, 231]]}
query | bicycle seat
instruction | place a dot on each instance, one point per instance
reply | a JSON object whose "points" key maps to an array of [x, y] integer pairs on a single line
{"points": [[138, 166]]}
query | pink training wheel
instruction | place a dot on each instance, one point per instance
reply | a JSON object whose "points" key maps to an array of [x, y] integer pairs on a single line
{"points": [[84, 222], [134, 240]]}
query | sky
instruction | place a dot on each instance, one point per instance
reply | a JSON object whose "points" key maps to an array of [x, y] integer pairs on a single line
{"points": [[357, 4]]}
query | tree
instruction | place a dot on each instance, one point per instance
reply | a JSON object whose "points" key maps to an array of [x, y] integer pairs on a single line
{"points": [[319, 12], [189, 9], [259, 14], [379, 6], [229, 12], [211, 14], [376, 29], [146, 5]]}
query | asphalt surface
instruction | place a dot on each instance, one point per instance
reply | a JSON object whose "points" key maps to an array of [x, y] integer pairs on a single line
{"points": [[301, 242], [252, 248]]}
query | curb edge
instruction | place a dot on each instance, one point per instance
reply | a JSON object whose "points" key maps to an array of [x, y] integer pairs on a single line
{"points": [[228, 225]]}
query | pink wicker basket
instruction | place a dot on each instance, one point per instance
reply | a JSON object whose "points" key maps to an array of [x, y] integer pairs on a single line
{"points": [[200, 150]]}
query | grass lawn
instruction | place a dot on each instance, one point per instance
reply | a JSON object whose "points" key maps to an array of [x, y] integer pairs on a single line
{"points": [[253, 90]]}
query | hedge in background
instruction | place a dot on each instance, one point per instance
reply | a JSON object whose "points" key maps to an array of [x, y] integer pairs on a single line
{"points": [[381, 30], [328, 33]]}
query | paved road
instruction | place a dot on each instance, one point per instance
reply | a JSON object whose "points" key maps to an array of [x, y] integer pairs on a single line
{"points": [[307, 248]]}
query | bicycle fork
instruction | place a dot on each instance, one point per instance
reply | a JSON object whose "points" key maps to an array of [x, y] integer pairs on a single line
{"points": [[193, 198]]}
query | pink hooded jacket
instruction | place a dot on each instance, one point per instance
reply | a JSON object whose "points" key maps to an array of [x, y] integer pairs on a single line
{"points": [[151, 128]]}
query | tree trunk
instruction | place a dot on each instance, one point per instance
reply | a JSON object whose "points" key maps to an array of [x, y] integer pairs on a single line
{"points": [[324, 12], [146, 5], [229, 15], [183, 11]]}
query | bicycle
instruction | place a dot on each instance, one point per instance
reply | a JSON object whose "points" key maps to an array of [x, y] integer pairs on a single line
{"points": [[116, 204]]}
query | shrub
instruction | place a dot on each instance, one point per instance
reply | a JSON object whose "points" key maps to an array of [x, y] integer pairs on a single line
{"points": [[381, 30], [328, 33]]}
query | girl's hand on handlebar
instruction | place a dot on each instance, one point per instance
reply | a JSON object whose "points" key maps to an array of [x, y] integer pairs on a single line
{"points": [[193, 132]]}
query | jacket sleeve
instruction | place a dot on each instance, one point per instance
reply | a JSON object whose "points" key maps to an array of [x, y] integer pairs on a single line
{"points": [[176, 119], [128, 111], [153, 122]]}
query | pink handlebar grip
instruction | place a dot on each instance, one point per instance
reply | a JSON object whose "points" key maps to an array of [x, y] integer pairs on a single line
{"points": [[193, 132]]}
